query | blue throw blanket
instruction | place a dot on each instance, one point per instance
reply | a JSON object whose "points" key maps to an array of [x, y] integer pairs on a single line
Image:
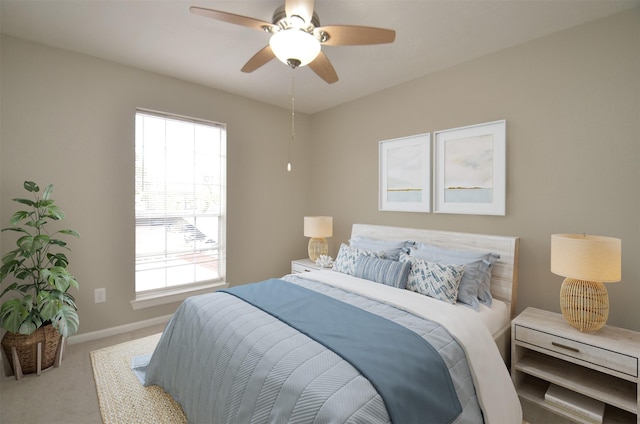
{"points": [[405, 369]]}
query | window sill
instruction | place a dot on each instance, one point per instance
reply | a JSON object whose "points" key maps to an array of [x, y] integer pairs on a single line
{"points": [[177, 295]]}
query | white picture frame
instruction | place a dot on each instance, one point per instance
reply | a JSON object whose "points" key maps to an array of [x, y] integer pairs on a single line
{"points": [[470, 169], [404, 175]]}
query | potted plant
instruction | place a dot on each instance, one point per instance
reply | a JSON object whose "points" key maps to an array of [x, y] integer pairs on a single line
{"points": [[39, 308]]}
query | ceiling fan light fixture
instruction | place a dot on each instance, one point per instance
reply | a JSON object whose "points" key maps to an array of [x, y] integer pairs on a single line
{"points": [[294, 46]]}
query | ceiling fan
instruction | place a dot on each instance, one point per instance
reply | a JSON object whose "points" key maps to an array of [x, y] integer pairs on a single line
{"points": [[297, 37]]}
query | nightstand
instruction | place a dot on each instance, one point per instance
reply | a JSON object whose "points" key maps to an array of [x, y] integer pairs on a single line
{"points": [[603, 365], [304, 265]]}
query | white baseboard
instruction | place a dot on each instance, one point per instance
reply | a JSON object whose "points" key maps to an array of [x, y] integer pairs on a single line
{"points": [[94, 335]]}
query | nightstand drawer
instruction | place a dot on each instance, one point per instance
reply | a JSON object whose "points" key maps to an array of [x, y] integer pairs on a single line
{"points": [[584, 352], [299, 268], [304, 265]]}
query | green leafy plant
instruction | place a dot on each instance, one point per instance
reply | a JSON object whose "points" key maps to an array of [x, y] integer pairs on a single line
{"points": [[37, 271]]}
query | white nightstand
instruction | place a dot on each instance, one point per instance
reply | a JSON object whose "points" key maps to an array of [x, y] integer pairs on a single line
{"points": [[603, 365], [304, 265]]}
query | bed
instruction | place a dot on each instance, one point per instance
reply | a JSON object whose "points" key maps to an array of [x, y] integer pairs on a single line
{"points": [[504, 273], [339, 346]]}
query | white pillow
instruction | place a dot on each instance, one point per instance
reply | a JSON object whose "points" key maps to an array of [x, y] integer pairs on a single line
{"points": [[391, 249]]}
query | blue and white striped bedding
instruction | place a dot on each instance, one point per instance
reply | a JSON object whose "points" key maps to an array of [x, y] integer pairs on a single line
{"points": [[226, 361]]}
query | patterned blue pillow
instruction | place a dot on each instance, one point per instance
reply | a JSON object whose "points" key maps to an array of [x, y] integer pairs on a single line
{"points": [[475, 283], [347, 257], [385, 271], [440, 281]]}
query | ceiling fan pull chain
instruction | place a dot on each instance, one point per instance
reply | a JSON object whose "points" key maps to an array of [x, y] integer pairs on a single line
{"points": [[293, 105], [293, 116]]}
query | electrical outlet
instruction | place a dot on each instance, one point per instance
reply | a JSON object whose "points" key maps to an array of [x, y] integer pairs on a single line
{"points": [[100, 295]]}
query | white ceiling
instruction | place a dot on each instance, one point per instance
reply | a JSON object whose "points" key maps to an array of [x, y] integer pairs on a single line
{"points": [[164, 37]]}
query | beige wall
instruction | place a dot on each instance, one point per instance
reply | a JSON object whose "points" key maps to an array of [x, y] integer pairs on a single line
{"points": [[68, 119], [572, 105], [571, 101]]}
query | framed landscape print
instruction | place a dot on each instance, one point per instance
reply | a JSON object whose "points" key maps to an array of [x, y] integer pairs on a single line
{"points": [[404, 174], [470, 171]]}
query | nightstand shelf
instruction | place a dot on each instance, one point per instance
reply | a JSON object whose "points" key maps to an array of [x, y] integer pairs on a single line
{"points": [[602, 365], [533, 390], [610, 390]]}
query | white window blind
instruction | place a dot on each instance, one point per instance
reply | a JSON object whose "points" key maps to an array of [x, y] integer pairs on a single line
{"points": [[180, 175]]}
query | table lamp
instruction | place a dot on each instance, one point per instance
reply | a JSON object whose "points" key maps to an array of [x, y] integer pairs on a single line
{"points": [[318, 227], [586, 261]]}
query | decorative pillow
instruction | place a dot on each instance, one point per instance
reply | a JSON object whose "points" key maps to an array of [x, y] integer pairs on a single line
{"points": [[385, 271], [347, 257], [440, 281], [477, 275], [391, 249], [484, 291]]}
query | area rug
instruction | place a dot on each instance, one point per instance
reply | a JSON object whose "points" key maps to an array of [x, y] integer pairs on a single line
{"points": [[121, 397]]}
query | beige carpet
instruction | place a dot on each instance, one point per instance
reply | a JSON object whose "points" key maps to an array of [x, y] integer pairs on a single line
{"points": [[121, 397]]}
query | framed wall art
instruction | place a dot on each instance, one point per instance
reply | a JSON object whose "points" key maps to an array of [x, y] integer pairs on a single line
{"points": [[470, 169], [405, 174]]}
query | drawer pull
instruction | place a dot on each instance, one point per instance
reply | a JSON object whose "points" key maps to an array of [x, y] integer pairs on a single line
{"points": [[573, 349]]}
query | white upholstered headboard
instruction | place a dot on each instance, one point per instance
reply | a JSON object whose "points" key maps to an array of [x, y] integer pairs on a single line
{"points": [[504, 276]]}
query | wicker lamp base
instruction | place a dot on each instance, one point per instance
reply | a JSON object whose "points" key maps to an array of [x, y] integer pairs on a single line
{"points": [[584, 304], [317, 247]]}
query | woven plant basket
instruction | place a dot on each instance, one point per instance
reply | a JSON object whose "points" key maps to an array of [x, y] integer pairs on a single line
{"points": [[27, 348]]}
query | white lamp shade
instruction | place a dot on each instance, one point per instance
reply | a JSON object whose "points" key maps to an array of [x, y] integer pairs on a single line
{"points": [[294, 44], [318, 226], [586, 257]]}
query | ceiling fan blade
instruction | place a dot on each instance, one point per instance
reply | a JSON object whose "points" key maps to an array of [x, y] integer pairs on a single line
{"points": [[258, 59], [233, 18], [321, 66], [353, 35], [302, 8]]}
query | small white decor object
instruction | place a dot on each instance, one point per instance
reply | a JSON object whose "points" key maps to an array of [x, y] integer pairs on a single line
{"points": [[324, 261]]}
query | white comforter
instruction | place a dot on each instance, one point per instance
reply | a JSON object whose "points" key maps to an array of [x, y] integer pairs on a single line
{"points": [[494, 388]]}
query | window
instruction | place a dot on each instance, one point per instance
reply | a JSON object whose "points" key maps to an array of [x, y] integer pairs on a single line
{"points": [[180, 175]]}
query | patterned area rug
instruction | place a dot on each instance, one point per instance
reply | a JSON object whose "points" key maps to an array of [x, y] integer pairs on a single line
{"points": [[121, 397]]}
